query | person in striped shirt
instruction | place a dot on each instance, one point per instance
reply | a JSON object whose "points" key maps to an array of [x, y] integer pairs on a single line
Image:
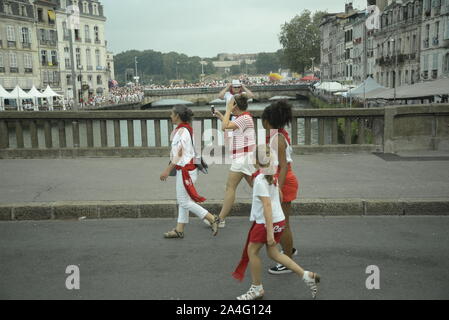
{"points": [[242, 148]]}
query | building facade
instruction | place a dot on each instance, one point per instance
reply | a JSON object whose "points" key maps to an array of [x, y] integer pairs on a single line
{"points": [[90, 52], [411, 44], [35, 46], [398, 44], [47, 35], [435, 39], [19, 62]]}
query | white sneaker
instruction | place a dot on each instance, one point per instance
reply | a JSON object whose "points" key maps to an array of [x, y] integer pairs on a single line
{"points": [[252, 294], [311, 280]]}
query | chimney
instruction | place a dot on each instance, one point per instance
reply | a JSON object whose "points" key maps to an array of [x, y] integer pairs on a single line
{"points": [[349, 8]]}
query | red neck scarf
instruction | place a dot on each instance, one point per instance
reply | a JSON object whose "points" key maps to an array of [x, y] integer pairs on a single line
{"points": [[185, 125], [245, 114], [186, 179], [281, 131]]}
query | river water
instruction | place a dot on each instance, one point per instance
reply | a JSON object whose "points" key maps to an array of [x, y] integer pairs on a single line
{"points": [[150, 127]]}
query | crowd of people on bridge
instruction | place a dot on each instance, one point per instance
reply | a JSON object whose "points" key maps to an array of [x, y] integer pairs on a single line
{"points": [[267, 169], [246, 80], [117, 95]]}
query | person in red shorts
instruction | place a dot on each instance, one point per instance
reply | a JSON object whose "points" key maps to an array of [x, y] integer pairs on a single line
{"points": [[268, 226], [275, 118]]}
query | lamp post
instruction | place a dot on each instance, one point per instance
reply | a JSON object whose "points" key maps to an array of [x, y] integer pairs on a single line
{"points": [[73, 60], [393, 41], [313, 66], [136, 77], [177, 74]]}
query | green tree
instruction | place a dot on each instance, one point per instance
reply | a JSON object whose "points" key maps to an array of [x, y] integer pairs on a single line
{"points": [[235, 70], [300, 40], [267, 62]]}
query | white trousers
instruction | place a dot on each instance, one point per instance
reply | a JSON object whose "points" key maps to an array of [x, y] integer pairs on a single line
{"points": [[185, 203]]}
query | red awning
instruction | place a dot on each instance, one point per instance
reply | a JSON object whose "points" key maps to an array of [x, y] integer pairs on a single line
{"points": [[310, 78]]}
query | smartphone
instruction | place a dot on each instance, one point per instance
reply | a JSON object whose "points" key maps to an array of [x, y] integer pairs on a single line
{"points": [[212, 109]]}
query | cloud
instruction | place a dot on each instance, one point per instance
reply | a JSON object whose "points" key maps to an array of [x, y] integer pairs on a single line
{"points": [[204, 27]]}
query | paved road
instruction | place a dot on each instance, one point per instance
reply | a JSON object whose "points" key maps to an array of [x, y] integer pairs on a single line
{"points": [[128, 259], [322, 176]]}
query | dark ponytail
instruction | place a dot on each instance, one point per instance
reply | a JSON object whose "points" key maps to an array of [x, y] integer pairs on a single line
{"points": [[279, 114], [184, 113]]}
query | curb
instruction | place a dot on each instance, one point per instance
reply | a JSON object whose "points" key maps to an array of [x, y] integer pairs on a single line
{"points": [[168, 209]]}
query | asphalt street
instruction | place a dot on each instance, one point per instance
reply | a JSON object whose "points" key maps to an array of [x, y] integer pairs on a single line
{"points": [[129, 259]]}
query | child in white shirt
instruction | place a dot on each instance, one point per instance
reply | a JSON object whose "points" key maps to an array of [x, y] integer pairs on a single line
{"points": [[268, 225]]}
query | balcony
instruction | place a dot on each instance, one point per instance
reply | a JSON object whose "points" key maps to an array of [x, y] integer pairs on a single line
{"points": [[28, 70], [426, 43], [88, 40], [14, 70], [435, 41], [98, 41], [90, 68], [26, 45], [49, 63], [100, 68], [11, 44], [80, 67], [78, 39], [2, 69], [48, 43]]}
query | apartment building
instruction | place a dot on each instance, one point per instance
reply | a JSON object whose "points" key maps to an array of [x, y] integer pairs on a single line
{"points": [[19, 62]]}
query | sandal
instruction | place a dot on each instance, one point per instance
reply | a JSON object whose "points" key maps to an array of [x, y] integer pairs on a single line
{"points": [[214, 225], [174, 234]]}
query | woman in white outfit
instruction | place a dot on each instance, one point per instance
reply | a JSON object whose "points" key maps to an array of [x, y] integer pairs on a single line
{"points": [[182, 159]]}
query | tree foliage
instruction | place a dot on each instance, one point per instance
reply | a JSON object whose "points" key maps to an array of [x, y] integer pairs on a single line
{"points": [[157, 67], [300, 39]]}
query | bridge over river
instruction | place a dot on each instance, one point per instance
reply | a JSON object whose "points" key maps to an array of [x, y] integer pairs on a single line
{"points": [[203, 96]]}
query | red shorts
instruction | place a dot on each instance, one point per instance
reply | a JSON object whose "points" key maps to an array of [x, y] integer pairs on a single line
{"points": [[258, 232], [291, 187]]}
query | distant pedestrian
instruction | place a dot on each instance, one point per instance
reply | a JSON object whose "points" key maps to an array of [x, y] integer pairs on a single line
{"points": [[276, 118], [182, 159], [268, 226]]}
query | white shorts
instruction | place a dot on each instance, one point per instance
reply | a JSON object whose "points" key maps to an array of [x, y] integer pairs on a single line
{"points": [[243, 167]]}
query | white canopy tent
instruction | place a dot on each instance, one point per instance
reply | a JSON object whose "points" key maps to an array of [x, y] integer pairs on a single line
{"points": [[36, 95], [3, 95], [332, 87], [365, 87], [50, 94], [19, 95]]}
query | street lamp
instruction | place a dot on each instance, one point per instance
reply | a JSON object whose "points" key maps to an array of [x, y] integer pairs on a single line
{"points": [[313, 66], [177, 74], [136, 78], [71, 27], [393, 41]]}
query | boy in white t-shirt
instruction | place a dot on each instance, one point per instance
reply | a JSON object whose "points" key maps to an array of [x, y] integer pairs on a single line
{"points": [[268, 225]]}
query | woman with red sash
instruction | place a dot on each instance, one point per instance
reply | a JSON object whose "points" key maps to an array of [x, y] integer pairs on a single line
{"points": [[275, 118], [182, 159], [267, 229]]}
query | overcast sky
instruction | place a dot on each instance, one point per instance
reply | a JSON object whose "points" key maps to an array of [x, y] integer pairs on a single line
{"points": [[205, 27]]}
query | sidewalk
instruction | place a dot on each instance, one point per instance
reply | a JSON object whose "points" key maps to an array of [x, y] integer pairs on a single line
{"points": [[323, 178]]}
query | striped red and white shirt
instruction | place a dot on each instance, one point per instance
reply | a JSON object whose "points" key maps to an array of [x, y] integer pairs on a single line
{"points": [[243, 138]]}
